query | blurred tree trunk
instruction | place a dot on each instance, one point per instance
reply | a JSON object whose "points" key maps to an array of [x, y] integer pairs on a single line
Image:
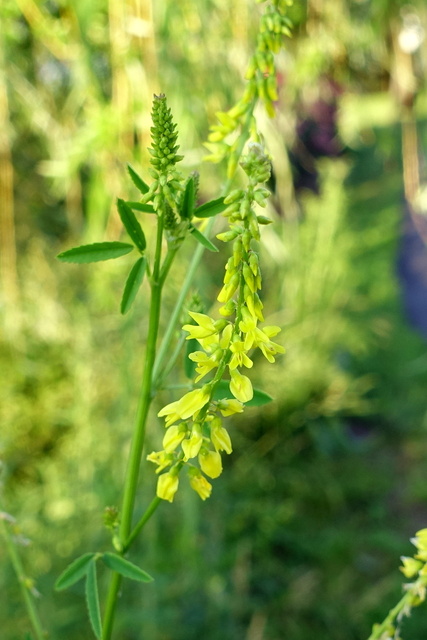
{"points": [[8, 272]]}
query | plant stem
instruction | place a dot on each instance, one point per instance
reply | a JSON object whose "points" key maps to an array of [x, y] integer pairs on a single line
{"points": [[389, 621], [22, 579], [142, 521], [134, 462], [168, 334]]}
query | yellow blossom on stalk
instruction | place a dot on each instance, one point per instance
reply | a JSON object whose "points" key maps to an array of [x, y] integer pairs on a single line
{"points": [[174, 436], [205, 326], [230, 406], [220, 437], [226, 336], [420, 540], [160, 458], [205, 363], [191, 446], [241, 386], [410, 566], [167, 486], [200, 485], [187, 406], [210, 463], [254, 335], [224, 344], [239, 358]]}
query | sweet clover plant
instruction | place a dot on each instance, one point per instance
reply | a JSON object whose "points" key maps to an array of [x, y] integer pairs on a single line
{"points": [[220, 347]]}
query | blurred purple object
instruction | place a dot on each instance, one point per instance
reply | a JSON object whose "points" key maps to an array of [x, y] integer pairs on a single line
{"points": [[412, 268], [317, 135]]}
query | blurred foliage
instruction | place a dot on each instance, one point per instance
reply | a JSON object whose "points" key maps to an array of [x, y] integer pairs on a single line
{"points": [[303, 533]]}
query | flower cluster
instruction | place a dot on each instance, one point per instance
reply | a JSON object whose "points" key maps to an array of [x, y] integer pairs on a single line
{"points": [[194, 429], [415, 592], [167, 181], [262, 84]]}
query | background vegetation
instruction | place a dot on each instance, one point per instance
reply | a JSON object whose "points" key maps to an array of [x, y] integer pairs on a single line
{"points": [[302, 535]]}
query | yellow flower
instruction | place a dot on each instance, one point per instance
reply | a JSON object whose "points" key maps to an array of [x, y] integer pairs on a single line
{"points": [[270, 349], [220, 437], [191, 446], [167, 486], [201, 486], [240, 386], [420, 540], [239, 357], [187, 406], [254, 335], [210, 463], [205, 363], [161, 459], [226, 336], [229, 289], [260, 338], [410, 566], [228, 406], [173, 437], [206, 326]]}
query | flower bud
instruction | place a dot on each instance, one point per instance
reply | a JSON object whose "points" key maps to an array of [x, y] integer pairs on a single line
{"points": [[241, 386], [191, 446], [210, 463], [220, 437], [200, 485], [167, 486], [173, 437]]}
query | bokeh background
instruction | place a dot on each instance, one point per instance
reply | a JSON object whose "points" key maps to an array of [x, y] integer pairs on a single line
{"points": [[302, 536]]}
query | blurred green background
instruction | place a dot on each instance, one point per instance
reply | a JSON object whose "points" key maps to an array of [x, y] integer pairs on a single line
{"points": [[302, 536]]}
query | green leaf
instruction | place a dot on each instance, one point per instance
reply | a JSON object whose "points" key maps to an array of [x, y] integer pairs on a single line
{"points": [[126, 568], [74, 572], [137, 181], [138, 206], [222, 390], [210, 209], [131, 224], [96, 252], [202, 239], [259, 399], [133, 283], [188, 200], [92, 600]]}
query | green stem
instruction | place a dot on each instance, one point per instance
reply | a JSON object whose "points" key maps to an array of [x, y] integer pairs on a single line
{"points": [[145, 398], [169, 332], [391, 616], [22, 579], [142, 521]]}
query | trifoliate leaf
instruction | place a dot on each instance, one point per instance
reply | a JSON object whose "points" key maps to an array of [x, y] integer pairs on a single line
{"points": [[92, 600], [131, 224], [74, 572], [132, 285], [96, 252], [202, 239], [126, 568], [210, 209], [137, 181]]}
